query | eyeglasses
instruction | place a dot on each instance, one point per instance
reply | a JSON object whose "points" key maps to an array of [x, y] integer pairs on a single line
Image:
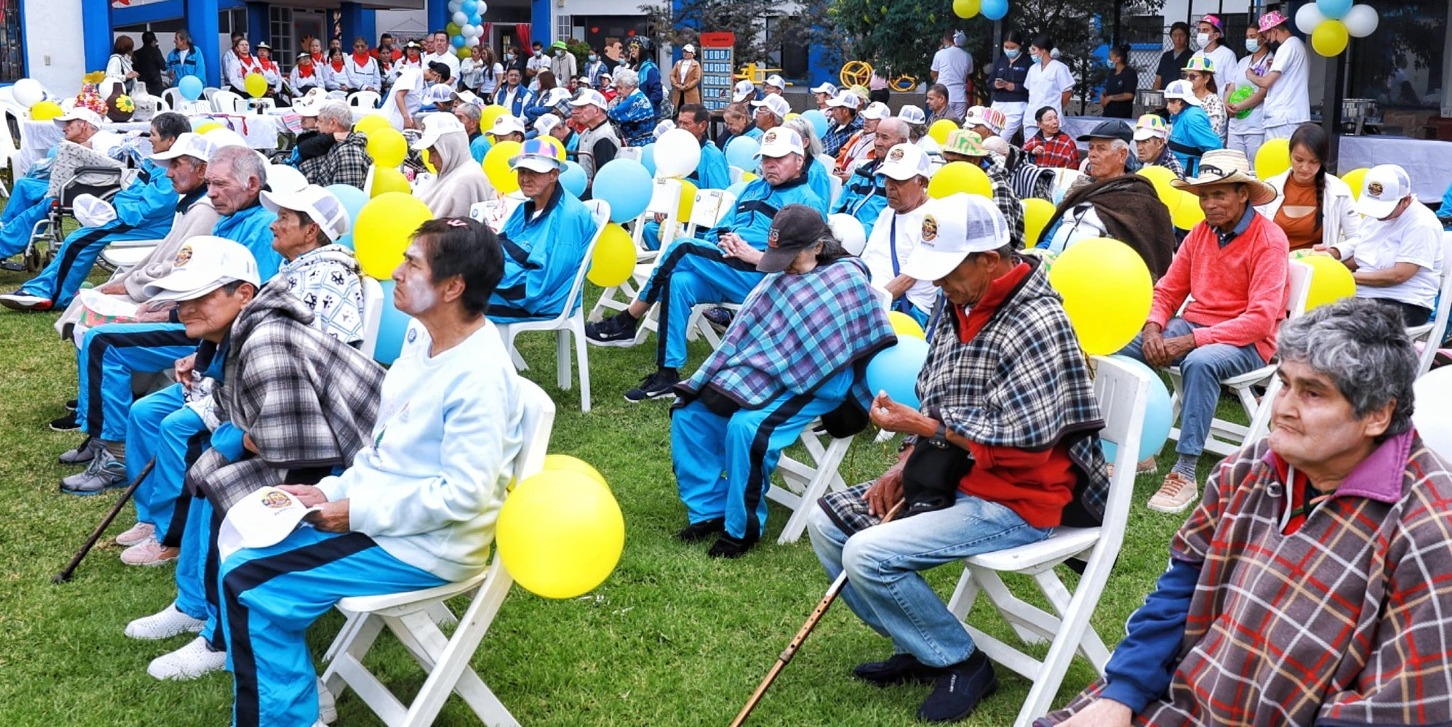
{"points": [[1191, 76]]}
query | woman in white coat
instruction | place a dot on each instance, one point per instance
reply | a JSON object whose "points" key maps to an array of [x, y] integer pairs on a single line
{"points": [[1312, 206], [1049, 83]]}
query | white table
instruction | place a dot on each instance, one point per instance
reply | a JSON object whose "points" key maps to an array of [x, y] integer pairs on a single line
{"points": [[1428, 163], [37, 138]]}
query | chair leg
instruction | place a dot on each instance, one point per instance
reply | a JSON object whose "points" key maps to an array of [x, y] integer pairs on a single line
{"points": [[582, 360], [562, 359]]}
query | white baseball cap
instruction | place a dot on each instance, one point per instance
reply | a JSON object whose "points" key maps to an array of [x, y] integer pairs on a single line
{"points": [[79, 112], [953, 228], [439, 123], [826, 88], [1182, 90], [220, 138], [877, 111], [505, 125], [912, 115], [846, 100], [92, 211], [744, 89], [775, 82], [307, 107], [317, 203], [284, 179], [546, 123], [440, 93], [555, 96], [905, 161], [261, 519], [688, 48], [187, 144], [590, 97], [1386, 185], [777, 105], [780, 142], [203, 264]]}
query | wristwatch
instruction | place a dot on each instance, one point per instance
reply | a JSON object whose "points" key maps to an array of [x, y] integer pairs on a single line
{"points": [[940, 437]]}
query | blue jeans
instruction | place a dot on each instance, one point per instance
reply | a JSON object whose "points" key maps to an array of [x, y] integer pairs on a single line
{"points": [[882, 563], [1201, 370]]}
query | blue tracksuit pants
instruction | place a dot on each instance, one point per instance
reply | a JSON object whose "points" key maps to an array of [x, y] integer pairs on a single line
{"points": [[27, 205], [161, 426], [271, 596], [62, 278], [108, 357], [692, 272], [723, 465]]}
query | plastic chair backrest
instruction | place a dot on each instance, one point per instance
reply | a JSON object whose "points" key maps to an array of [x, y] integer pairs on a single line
{"points": [[711, 206], [226, 102], [1300, 285], [600, 211], [172, 99], [536, 422], [371, 99], [1443, 311], [372, 314], [1122, 391]]}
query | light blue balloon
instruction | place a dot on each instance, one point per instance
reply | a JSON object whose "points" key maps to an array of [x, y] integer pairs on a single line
{"points": [[474, 19], [574, 179], [353, 200], [469, 7], [626, 185], [818, 120], [741, 152], [392, 328], [1159, 415], [458, 41], [190, 87], [736, 189], [1334, 9], [994, 9], [647, 158], [895, 370]]}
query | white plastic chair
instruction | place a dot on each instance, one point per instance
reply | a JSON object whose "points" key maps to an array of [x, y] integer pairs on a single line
{"points": [[125, 254], [226, 102], [570, 323], [373, 303], [367, 99], [1226, 438], [172, 99], [1428, 335], [413, 618], [493, 212], [806, 482], [665, 199], [1123, 393]]}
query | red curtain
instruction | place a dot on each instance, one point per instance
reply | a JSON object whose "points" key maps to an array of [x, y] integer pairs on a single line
{"points": [[521, 34]]}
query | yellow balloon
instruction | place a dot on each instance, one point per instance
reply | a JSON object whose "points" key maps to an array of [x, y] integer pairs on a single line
{"points": [[1161, 178], [209, 126], [1187, 213], [1329, 38], [1107, 292], [1036, 215], [45, 111], [255, 84], [559, 146], [496, 166], [383, 230], [1273, 158], [791, 116], [370, 123], [388, 179], [488, 116], [560, 534], [688, 200], [966, 8], [387, 147], [959, 177], [905, 326], [1356, 179], [941, 129], [1331, 281], [749, 176], [566, 463], [614, 259]]}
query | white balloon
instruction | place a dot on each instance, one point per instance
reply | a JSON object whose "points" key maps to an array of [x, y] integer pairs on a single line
{"points": [[472, 31], [1432, 417], [456, 5], [471, 43], [483, 8], [1361, 21], [849, 232], [676, 154], [28, 92], [1308, 17], [460, 19]]}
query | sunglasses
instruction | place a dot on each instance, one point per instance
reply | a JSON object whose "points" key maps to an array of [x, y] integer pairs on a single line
{"points": [[1191, 76]]}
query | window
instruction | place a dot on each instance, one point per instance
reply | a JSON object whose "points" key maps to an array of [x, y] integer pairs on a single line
{"points": [[12, 47], [563, 29], [279, 32], [1401, 66]]}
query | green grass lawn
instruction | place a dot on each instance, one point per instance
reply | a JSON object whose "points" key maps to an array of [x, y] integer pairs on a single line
{"points": [[672, 638]]}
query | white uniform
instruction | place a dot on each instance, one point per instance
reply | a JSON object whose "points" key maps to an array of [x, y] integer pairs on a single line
{"points": [[1288, 100], [878, 253], [1046, 84], [1414, 237]]}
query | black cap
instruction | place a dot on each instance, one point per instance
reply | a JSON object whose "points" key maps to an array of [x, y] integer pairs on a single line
{"points": [[795, 228], [1111, 130]]}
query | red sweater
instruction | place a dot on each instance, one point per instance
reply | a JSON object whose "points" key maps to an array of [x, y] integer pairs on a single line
{"points": [[1240, 291]]}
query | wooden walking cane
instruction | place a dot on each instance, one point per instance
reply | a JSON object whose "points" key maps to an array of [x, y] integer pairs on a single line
{"points": [[790, 651], [70, 569]]}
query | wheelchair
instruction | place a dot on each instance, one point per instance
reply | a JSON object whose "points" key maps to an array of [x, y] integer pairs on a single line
{"points": [[101, 182]]}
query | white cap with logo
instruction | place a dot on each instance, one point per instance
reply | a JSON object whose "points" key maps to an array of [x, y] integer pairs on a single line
{"points": [[845, 99], [877, 111], [187, 144], [79, 113], [436, 124], [261, 519], [953, 228], [1386, 185], [775, 82], [775, 104], [825, 87], [780, 142], [905, 161], [505, 125], [203, 264], [913, 115], [744, 89], [317, 203], [590, 97]]}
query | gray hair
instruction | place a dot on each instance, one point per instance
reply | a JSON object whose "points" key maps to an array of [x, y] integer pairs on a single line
{"points": [[811, 144], [243, 164], [1361, 346], [895, 127], [471, 111], [336, 112], [626, 78], [1131, 156]]}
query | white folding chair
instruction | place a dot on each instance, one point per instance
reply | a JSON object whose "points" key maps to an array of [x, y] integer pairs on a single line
{"points": [[373, 303], [227, 102], [1428, 336], [837, 186], [805, 482], [172, 99], [570, 323], [711, 206], [493, 212], [413, 618], [1226, 438], [665, 199], [1123, 393], [736, 173], [367, 99]]}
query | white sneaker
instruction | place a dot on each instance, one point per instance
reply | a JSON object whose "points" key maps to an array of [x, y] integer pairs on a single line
{"points": [[165, 624], [192, 661], [327, 705], [138, 534]]}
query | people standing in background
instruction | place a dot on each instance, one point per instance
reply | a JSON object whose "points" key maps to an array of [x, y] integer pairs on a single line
{"points": [[491, 73], [595, 67], [149, 64], [1211, 32], [1287, 83], [1172, 60], [686, 79], [1010, 71], [537, 62], [1049, 82], [1201, 74], [878, 88], [952, 65], [1119, 88], [119, 64], [939, 107], [1247, 117], [184, 60], [1190, 132], [387, 53], [443, 52], [563, 62], [643, 63]]}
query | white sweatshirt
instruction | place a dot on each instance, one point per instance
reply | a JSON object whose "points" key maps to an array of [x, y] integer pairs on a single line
{"points": [[429, 488]]}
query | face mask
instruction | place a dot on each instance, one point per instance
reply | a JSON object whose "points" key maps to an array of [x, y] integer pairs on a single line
{"points": [[559, 53], [1274, 45], [1011, 54], [1252, 45], [1110, 63], [594, 58], [1202, 39]]}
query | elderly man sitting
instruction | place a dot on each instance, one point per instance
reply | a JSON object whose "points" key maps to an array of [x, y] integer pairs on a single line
{"points": [[1233, 270], [993, 461], [347, 160], [792, 355], [1398, 261], [1152, 144], [30, 198], [899, 230], [1114, 203], [470, 115], [1310, 585], [967, 146], [142, 211], [720, 268], [544, 240], [861, 148], [864, 194], [842, 112]]}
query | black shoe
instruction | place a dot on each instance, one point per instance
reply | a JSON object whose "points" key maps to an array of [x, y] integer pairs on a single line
{"points": [[729, 547], [613, 331], [702, 530], [659, 385], [66, 423], [17, 267], [959, 689], [898, 669], [73, 404]]}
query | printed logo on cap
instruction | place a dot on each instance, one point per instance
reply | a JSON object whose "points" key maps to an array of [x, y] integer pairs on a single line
{"points": [[183, 256], [770, 137], [1374, 189], [772, 237], [895, 155], [276, 500], [930, 228]]}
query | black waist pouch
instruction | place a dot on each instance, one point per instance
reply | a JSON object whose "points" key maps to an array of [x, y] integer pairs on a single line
{"points": [[931, 475]]}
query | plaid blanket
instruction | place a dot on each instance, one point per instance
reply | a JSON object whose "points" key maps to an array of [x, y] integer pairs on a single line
{"points": [[795, 332], [306, 399]]}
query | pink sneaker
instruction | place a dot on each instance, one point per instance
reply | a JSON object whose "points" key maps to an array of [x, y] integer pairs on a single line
{"points": [[149, 552], [139, 533]]}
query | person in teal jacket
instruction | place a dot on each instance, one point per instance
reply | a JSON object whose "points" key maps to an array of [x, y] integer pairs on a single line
{"points": [[544, 240], [1190, 132], [184, 60]]}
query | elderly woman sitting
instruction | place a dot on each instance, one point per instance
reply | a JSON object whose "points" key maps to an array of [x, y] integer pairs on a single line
{"points": [[632, 111], [1310, 586], [460, 181]]}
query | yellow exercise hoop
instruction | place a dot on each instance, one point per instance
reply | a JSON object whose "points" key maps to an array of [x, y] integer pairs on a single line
{"points": [[855, 73]]}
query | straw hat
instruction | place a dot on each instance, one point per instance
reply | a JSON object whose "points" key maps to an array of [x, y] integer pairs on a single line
{"points": [[1226, 166]]}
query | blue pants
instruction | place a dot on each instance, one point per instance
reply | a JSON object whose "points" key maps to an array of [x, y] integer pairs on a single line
{"points": [[62, 278], [1201, 370], [723, 465], [27, 205], [884, 587], [108, 357], [161, 426], [692, 272], [650, 235], [272, 595], [197, 558]]}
